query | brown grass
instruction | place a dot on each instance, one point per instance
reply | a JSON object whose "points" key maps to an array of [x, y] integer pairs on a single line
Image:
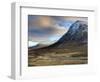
{"points": [[72, 54]]}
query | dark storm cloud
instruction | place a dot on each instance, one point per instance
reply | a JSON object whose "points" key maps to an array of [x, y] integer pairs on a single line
{"points": [[40, 31]]}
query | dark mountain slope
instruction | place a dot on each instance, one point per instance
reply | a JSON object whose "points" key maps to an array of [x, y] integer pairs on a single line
{"points": [[78, 33]]}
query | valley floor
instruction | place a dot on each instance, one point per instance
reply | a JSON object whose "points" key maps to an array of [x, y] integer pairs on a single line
{"points": [[72, 54]]}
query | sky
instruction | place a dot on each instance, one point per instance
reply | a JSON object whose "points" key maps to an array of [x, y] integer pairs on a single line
{"points": [[48, 29]]}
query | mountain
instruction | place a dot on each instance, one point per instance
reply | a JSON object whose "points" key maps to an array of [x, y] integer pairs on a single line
{"points": [[77, 33]]}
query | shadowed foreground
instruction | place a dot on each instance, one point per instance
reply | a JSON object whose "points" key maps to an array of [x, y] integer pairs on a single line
{"points": [[72, 53]]}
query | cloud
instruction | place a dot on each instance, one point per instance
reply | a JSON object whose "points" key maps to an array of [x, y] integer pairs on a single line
{"points": [[74, 18]]}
